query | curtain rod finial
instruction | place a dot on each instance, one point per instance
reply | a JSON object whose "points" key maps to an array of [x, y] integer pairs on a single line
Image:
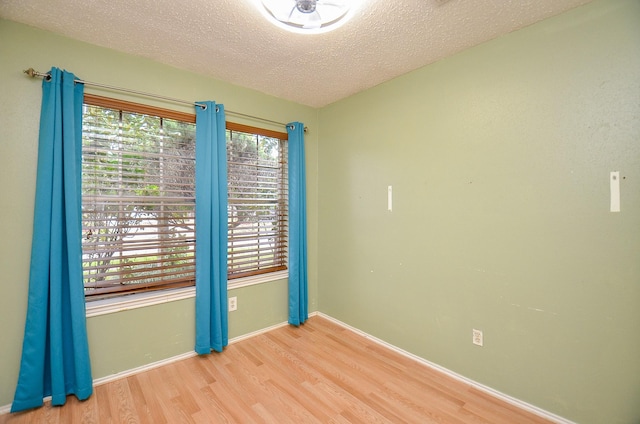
{"points": [[33, 73]]}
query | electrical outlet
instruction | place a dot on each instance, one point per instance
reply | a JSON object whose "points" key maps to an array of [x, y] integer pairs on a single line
{"points": [[233, 304], [477, 337]]}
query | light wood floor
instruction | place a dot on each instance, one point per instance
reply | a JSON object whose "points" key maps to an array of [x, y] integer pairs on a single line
{"points": [[318, 373]]}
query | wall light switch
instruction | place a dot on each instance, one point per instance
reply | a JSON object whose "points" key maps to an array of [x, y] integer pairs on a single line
{"points": [[390, 198], [477, 337]]}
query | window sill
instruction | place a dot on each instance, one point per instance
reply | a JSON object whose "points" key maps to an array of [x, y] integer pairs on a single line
{"points": [[113, 305], [134, 301], [257, 279]]}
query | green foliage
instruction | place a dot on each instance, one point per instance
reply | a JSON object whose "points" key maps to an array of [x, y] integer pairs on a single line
{"points": [[138, 189], [138, 173]]}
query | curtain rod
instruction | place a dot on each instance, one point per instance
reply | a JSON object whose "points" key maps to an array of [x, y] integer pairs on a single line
{"points": [[33, 73]]}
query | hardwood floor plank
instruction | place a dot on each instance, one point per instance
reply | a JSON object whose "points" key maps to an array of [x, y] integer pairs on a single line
{"points": [[264, 414], [235, 400], [122, 407], [216, 411], [145, 401], [319, 372], [85, 412], [104, 403]]}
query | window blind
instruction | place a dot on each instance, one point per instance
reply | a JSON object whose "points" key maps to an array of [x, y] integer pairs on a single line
{"points": [[137, 202], [258, 210]]}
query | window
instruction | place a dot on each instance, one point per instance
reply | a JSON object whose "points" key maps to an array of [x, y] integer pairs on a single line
{"points": [[257, 185], [138, 201]]}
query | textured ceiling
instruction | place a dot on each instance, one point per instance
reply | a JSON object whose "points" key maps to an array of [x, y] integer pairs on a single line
{"points": [[231, 41]]}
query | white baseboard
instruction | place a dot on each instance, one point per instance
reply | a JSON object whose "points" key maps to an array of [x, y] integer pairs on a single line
{"points": [[130, 372], [143, 368], [102, 380], [516, 402], [513, 401]]}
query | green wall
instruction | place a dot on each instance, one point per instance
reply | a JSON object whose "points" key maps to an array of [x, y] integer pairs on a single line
{"points": [[499, 158], [129, 339]]}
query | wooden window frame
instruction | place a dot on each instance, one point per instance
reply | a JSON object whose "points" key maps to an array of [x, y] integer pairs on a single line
{"points": [[126, 106], [257, 249], [157, 254]]}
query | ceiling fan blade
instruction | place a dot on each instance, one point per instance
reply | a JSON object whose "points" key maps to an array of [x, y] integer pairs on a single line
{"points": [[333, 3], [281, 10], [290, 18], [313, 21], [332, 10]]}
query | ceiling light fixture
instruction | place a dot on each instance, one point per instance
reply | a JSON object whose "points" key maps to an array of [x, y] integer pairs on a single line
{"points": [[308, 16]]}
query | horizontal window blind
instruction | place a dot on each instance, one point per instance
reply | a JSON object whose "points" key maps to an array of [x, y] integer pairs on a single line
{"points": [[137, 202], [258, 210]]}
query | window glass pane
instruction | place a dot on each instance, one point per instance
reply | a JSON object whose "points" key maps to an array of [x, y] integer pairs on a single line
{"points": [[257, 203], [138, 202]]}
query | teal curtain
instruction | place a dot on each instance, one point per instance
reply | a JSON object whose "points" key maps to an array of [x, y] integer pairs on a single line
{"points": [[298, 297], [212, 330], [55, 351]]}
